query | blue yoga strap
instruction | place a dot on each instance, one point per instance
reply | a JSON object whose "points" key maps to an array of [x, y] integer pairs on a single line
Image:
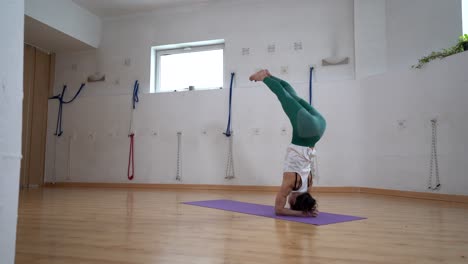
{"points": [[59, 97], [228, 129], [310, 85]]}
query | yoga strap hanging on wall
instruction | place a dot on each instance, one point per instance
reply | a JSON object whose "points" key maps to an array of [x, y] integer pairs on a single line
{"points": [[434, 165], [314, 168], [59, 97], [131, 134], [230, 162], [131, 159], [179, 157], [228, 129], [136, 88], [310, 84]]}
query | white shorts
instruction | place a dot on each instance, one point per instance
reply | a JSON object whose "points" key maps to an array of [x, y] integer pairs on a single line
{"points": [[299, 159]]}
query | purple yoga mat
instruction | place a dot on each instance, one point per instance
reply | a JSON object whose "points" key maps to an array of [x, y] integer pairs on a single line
{"points": [[268, 211]]}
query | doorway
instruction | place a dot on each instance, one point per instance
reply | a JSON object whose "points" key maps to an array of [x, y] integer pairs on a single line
{"points": [[38, 78]]}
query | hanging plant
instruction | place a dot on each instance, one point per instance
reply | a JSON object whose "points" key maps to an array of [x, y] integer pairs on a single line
{"points": [[464, 40], [461, 46]]}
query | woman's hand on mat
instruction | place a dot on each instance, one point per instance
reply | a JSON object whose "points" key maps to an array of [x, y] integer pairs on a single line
{"points": [[313, 213]]}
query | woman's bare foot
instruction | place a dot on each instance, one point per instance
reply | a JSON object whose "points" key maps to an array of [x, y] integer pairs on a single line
{"points": [[259, 76]]}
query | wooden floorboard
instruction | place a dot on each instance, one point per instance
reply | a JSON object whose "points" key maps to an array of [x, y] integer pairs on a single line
{"points": [[93, 225], [227, 187]]}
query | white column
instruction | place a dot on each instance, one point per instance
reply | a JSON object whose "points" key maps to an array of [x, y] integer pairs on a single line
{"points": [[11, 98]]}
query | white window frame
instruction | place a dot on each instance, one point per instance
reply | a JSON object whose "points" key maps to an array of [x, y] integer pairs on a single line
{"points": [[158, 51]]}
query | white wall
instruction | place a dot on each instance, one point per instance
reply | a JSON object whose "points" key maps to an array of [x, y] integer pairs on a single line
{"points": [[325, 29], [11, 97], [361, 140], [67, 17], [465, 16], [415, 28], [370, 37], [398, 157]]}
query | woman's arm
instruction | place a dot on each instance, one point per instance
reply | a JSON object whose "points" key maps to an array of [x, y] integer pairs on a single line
{"points": [[282, 196], [315, 212], [310, 183]]}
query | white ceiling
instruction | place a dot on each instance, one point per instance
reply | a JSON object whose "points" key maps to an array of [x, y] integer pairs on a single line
{"points": [[50, 39], [112, 8]]}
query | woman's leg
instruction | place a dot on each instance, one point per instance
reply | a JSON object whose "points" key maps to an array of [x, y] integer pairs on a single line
{"points": [[289, 103], [286, 86], [308, 125], [293, 93]]}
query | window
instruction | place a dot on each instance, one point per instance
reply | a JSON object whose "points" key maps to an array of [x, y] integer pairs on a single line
{"points": [[178, 67], [465, 16]]}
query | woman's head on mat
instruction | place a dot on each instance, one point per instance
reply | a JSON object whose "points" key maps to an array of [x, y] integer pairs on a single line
{"points": [[303, 202]]}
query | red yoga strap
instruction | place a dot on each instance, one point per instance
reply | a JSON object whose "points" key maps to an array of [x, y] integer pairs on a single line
{"points": [[131, 160]]}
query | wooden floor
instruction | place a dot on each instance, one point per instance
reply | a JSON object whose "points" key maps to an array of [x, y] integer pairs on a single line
{"points": [[150, 226]]}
